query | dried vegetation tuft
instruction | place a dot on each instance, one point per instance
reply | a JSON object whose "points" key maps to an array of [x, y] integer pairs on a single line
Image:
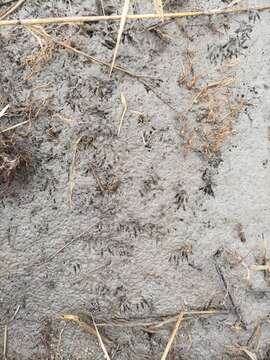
{"points": [[14, 158]]}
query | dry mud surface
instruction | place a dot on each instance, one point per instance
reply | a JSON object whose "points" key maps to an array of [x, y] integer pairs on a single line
{"points": [[170, 214]]}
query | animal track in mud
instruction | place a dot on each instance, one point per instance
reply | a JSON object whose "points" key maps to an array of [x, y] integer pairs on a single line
{"points": [[139, 304], [101, 290], [148, 138], [132, 228], [207, 188], [236, 44], [181, 199], [76, 268], [182, 253], [107, 247], [149, 185], [117, 249], [72, 268]]}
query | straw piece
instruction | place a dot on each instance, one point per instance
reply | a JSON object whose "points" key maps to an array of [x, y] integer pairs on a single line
{"points": [[11, 9], [173, 334], [101, 343], [124, 104], [87, 19], [4, 110], [121, 29], [5, 343], [14, 126]]}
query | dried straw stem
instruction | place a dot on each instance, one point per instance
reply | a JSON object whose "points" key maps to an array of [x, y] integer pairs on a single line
{"points": [[170, 15], [173, 334], [11, 9]]}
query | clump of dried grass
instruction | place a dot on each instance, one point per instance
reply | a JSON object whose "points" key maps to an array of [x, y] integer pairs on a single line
{"points": [[13, 158], [221, 115], [211, 117]]}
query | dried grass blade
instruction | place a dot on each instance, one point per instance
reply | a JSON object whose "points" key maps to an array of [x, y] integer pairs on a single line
{"points": [[14, 126], [173, 334], [101, 343], [124, 104], [5, 343], [248, 353], [251, 355], [172, 15], [121, 29], [265, 267], [11, 9], [3, 111]]}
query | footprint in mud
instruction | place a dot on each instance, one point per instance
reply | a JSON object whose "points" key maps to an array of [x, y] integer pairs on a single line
{"points": [[207, 187], [181, 255], [181, 199], [135, 305]]}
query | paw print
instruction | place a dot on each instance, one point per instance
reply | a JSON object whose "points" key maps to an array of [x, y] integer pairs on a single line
{"points": [[181, 199]]}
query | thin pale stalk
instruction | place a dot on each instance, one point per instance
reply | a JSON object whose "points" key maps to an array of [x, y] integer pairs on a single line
{"points": [[87, 19]]}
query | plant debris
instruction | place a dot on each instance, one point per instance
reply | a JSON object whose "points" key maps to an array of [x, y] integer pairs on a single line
{"points": [[15, 158], [142, 174]]}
